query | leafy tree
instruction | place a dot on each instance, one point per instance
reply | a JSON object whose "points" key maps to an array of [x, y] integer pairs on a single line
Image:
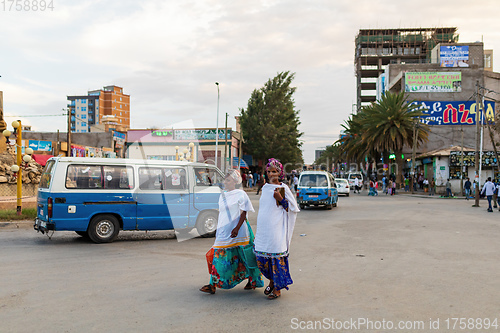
{"points": [[270, 122], [383, 127]]}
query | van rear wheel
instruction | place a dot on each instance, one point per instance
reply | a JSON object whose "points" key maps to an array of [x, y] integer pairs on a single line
{"points": [[207, 224], [103, 228]]}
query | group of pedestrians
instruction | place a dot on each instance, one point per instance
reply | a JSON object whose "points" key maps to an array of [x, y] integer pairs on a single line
{"points": [[236, 254]]}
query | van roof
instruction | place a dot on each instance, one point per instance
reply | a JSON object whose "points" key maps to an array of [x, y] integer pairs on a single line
{"points": [[125, 161]]}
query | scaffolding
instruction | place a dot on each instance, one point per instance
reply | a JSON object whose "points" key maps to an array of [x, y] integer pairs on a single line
{"points": [[377, 48]]}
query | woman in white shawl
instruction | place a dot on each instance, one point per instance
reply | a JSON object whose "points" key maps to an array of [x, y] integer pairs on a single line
{"points": [[233, 241], [275, 223]]}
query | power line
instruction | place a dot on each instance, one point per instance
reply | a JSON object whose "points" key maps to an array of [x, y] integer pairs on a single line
{"points": [[43, 115]]}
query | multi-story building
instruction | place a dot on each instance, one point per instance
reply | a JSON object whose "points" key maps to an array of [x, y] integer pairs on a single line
{"points": [[448, 88], [377, 48], [89, 110]]}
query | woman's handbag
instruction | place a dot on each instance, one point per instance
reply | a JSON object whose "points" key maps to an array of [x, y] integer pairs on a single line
{"points": [[210, 259]]}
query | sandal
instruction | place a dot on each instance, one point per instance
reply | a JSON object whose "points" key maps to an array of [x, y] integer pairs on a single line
{"points": [[273, 296], [208, 288], [268, 290]]}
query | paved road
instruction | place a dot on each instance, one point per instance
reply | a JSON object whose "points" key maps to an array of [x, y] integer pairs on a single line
{"points": [[378, 258]]}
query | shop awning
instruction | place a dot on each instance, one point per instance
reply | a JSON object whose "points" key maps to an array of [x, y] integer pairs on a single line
{"points": [[41, 159], [242, 162]]}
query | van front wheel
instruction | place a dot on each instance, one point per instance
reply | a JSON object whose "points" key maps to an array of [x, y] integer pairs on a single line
{"points": [[103, 228], [207, 224]]}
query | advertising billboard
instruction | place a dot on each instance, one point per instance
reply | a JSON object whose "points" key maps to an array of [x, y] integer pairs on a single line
{"points": [[453, 113], [433, 82], [37, 145], [454, 56]]}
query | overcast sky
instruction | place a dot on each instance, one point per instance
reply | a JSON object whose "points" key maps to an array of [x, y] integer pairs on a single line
{"points": [[168, 55]]}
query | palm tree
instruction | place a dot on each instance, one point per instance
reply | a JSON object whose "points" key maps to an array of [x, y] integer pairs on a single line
{"points": [[388, 126]]}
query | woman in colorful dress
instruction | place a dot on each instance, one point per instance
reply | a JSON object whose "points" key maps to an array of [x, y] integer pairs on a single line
{"points": [[275, 223], [232, 249]]}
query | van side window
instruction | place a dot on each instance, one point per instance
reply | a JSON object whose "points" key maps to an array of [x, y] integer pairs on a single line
{"points": [[47, 174], [207, 176], [118, 177], [84, 177], [150, 179], [175, 179]]}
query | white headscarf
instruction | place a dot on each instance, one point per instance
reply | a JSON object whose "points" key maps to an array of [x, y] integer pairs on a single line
{"points": [[235, 174]]}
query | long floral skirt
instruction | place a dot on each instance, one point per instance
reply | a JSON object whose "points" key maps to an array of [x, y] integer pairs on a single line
{"points": [[276, 269], [229, 269]]}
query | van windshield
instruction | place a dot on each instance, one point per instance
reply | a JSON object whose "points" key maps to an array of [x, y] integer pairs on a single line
{"points": [[313, 181], [47, 175]]}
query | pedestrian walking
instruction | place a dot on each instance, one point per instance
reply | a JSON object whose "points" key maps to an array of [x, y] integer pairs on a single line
{"points": [[231, 259], [467, 186], [250, 179], [389, 190], [432, 186], [448, 189], [488, 190], [407, 184], [262, 181], [393, 192], [497, 190], [275, 222], [295, 182], [384, 184], [356, 185]]}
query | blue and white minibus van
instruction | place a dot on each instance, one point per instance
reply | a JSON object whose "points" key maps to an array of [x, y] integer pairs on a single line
{"points": [[317, 188], [98, 197]]}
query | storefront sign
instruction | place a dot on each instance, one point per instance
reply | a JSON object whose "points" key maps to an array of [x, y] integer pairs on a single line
{"points": [[453, 113], [200, 134], [488, 158], [119, 139], [433, 82], [162, 133], [454, 56]]}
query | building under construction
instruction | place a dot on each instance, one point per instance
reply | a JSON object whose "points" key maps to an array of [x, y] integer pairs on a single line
{"points": [[377, 48]]}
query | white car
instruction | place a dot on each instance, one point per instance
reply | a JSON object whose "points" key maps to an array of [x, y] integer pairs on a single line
{"points": [[342, 186], [352, 176]]}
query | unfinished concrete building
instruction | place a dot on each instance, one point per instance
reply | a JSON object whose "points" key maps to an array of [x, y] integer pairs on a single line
{"points": [[377, 48]]}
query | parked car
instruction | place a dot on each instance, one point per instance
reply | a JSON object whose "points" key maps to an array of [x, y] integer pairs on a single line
{"points": [[342, 186], [317, 188]]}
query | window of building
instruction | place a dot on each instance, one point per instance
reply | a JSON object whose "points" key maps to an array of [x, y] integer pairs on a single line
{"points": [[84, 116], [84, 101], [487, 60]]}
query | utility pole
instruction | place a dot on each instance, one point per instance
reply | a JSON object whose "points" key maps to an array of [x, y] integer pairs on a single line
{"points": [[476, 155], [413, 156], [462, 168], [225, 148], [68, 139]]}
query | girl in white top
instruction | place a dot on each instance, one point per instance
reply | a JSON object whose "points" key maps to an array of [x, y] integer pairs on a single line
{"points": [[230, 264]]}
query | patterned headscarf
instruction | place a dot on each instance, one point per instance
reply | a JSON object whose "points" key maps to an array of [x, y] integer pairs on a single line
{"points": [[272, 162], [235, 175]]}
